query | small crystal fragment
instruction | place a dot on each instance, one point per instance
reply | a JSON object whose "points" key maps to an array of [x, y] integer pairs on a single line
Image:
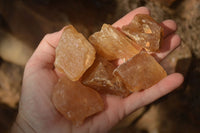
{"points": [[140, 72], [112, 44], [145, 31], [75, 101], [100, 77], [74, 54]]}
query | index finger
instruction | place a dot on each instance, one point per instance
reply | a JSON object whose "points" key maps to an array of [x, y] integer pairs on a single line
{"points": [[142, 98]]}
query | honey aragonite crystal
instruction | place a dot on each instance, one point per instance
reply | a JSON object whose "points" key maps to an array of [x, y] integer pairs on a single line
{"points": [[112, 44], [140, 72], [75, 101], [145, 31], [74, 54], [100, 77]]}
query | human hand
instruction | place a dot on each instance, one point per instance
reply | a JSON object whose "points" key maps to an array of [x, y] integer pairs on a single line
{"points": [[38, 114]]}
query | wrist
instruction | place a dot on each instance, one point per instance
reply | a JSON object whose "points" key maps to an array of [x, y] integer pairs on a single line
{"points": [[21, 126]]}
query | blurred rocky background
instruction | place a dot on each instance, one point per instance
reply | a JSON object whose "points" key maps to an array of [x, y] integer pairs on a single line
{"points": [[23, 23]]}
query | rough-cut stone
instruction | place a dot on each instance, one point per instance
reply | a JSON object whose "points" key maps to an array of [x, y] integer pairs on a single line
{"points": [[100, 77], [75, 101], [145, 31], [74, 54], [140, 72], [112, 44]]}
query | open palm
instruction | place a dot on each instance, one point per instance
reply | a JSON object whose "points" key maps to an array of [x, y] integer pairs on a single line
{"points": [[37, 113]]}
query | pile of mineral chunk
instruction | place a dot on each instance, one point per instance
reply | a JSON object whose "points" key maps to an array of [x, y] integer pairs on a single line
{"points": [[89, 69]]}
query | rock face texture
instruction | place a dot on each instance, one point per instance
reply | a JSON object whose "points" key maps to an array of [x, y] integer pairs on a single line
{"points": [[13, 49], [10, 85]]}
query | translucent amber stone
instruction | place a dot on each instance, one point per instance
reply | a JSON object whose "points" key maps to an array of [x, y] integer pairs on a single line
{"points": [[145, 31], [74, 54], [75, 101], [100, 77], [140, 72], [112, 44]]}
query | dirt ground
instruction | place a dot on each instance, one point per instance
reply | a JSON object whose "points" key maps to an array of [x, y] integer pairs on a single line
{"points": [[24, 23]]}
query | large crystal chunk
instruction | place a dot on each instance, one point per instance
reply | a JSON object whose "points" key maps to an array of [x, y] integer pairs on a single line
{"points": [[140, 72], [100, 77], [145, 31], [112, 44], [75, 101], [74, 54]]}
